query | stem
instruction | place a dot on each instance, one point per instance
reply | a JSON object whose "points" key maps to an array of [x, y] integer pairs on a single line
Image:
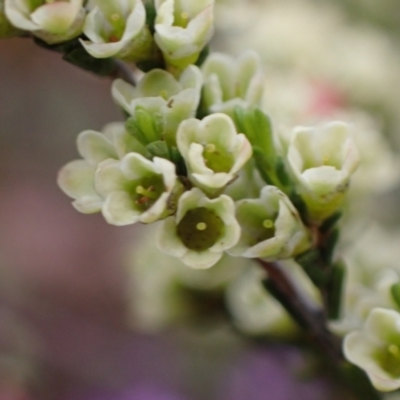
{"points": [[123, 72], [306, 314], [313, 320]]}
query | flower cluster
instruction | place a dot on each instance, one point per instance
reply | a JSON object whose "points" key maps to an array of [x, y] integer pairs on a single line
{"points": [[166, 164], [199, 156], [133, 30]]}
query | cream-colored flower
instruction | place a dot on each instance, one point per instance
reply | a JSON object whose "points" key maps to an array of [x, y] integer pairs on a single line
{"points": [[117, 29], [376, 349], [214, 152], [201, 230], [183, 29], [51, 21], [167, 100], [76, 178], [254, 310], [271, 227], [136, 189], [322, 161], [229, 83]]}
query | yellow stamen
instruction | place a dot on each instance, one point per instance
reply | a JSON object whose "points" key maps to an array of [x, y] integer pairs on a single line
{"points": [[268, 223], [184, 15], [115, 17], [164, 94], [210, 148], [325, 159], [394, 350], [201, 226], [146, 192]]}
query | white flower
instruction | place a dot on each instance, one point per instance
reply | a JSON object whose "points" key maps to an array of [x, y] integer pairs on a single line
{"points": [[76, 178], [136, 189], [168, 100], [229, 83], [212, 149], [271, 227], [183, 28], [160, 293], [254, 310], [6, 29], [51, 21], [322, 161], [201, 230], [117, 29], [376, 349]]}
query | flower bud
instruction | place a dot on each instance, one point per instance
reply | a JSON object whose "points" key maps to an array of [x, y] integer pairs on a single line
{"points": [[322, 162]]}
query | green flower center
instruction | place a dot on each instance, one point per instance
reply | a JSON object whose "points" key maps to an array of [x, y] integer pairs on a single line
{"points": [[200, 229], [146, 192], [267, 230], [389, 359], [217, 159]]}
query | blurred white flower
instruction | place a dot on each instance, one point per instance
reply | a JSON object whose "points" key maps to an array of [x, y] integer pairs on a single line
{"points": [[229, 83], [376, 348], [322, 161], [117, 29], [183, 29], [158, 291], [253, 309], [51, 21]]}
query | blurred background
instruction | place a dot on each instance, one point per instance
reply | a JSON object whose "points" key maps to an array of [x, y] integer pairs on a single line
{"points": [[67, 302]]}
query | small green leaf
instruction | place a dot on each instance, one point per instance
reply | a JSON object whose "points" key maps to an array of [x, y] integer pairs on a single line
{"points": [[178, 160], [151, 14], [395, 291], [335, 288], [147, 124], [281, 172], [310, 262], [159, 149], [330, 222], [132, 127], [202, 56], [329, 247]]}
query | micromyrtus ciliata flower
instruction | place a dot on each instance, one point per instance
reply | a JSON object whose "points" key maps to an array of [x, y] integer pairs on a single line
{"points": [[229, 83], [271, 227], [167, 100], [214, 152], [201, 230], [76, 178], [322, 161], [117, 29], [183, 28], [376, 349], [136, 189], [50, 20]]}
